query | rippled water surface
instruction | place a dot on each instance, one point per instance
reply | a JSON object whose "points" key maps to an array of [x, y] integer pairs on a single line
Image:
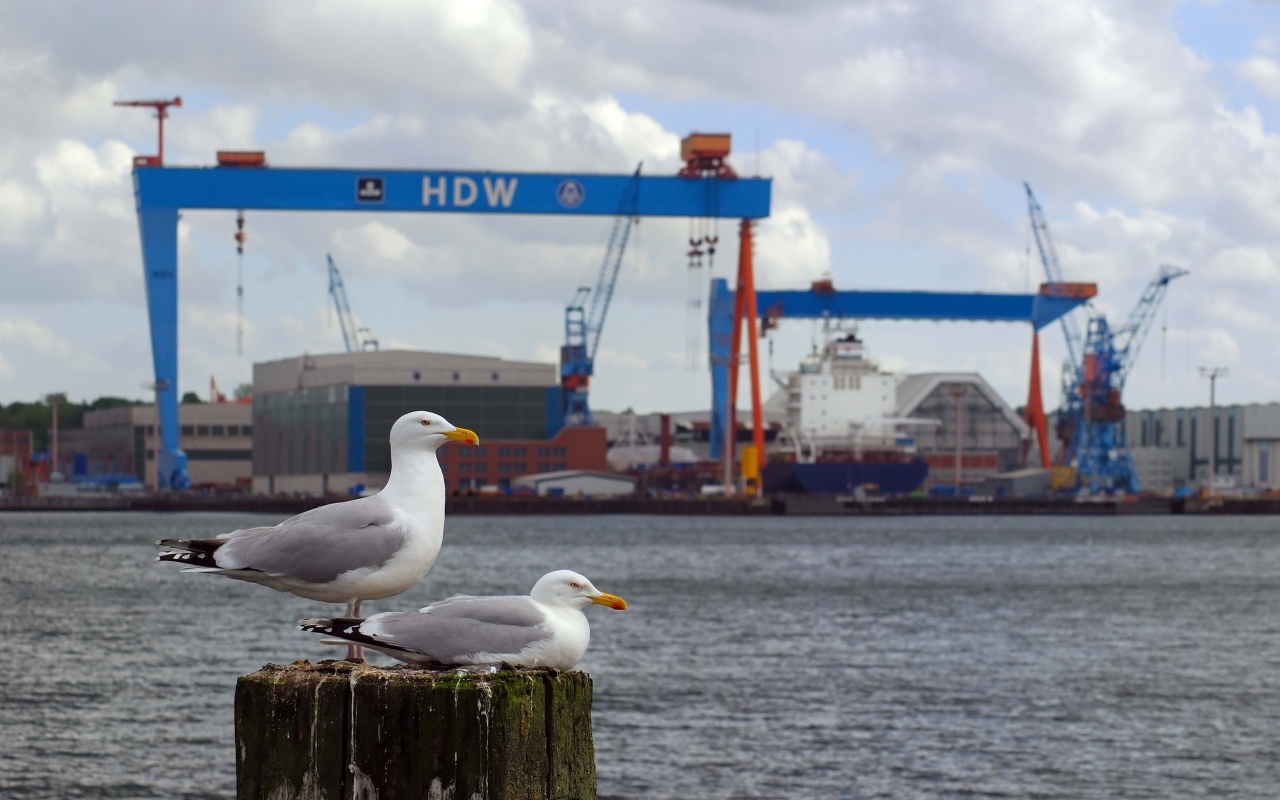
{"points": [[767, 657]]}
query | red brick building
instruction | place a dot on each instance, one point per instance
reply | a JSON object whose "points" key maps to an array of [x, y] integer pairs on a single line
{"points": [[496, 462]]}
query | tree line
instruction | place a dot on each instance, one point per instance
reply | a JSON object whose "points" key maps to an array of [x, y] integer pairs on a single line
{"points": [[37, 417]]}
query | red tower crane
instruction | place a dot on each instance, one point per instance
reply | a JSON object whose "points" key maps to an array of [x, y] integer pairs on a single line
{"points": [[162, 111]]}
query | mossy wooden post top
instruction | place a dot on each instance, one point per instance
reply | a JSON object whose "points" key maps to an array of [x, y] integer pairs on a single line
{"points": [[342, 731]]}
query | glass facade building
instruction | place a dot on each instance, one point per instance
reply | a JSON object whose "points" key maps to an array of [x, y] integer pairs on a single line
{"points": [[341, 429]]}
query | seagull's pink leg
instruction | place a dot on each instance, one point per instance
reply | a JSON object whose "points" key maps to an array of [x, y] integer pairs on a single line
{"points": [[355, 652]]}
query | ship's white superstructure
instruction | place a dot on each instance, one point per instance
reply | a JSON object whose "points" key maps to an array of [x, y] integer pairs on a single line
{"points": [[839, 399]]}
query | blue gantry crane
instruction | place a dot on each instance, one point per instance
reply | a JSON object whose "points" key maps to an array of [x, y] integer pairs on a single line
{"points": [[584, 323], [355, 338], [1090, 420], [242, 180], [823, 301]]}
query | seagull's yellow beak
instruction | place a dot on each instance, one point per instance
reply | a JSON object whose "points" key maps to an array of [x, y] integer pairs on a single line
{"points": [[462, 435], [610, 600]]}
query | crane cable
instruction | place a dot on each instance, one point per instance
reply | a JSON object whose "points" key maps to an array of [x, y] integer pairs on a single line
{"points": [[239, 237]]}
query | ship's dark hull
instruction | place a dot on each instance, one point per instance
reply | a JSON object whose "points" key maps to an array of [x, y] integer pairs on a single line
{"points": [[842, 477]]}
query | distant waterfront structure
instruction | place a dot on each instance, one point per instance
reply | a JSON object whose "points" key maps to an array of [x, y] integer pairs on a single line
{"points": [[321, 421], [15, 454], [988, 432], [119, 442], [1178, 447], [919, 407], [577, 483]]}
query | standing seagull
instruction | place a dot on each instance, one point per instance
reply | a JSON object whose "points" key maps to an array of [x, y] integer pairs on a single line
{"points": [[545, 628], [364, 549]]}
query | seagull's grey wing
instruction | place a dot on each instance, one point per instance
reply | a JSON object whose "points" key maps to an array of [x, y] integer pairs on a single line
{"points": [[317, 547], [504, 610], [346, 511], [498, 625]]}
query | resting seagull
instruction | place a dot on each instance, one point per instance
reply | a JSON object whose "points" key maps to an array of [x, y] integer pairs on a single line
{"points": [[364, 549], [545, 628]]}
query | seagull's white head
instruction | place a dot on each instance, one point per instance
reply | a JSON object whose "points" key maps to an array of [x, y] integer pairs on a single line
{"points": [[567, 588], [422, 430]]}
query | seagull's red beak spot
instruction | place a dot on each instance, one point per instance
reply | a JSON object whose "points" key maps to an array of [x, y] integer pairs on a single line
{"points": [[462, 435]]}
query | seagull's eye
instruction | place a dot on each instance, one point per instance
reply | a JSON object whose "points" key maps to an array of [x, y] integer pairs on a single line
{"points": [[575, 584], [426, 422]]}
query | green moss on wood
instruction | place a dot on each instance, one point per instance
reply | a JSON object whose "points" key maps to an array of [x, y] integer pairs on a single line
{"points": [[338, 730]]}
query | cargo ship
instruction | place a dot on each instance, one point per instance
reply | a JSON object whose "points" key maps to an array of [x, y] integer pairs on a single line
{"points": [[841, 435]]}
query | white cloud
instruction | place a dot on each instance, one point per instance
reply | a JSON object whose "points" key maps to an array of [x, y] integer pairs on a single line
{"points": [[33, 336], [1263, 73], [793, 250], [907, 126], [21, 208]]}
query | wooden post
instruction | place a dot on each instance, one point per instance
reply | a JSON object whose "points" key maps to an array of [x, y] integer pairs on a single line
{"points": [[342, 731]]}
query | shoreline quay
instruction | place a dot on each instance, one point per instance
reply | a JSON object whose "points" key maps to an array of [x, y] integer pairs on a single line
{"points": [[791, 505]]}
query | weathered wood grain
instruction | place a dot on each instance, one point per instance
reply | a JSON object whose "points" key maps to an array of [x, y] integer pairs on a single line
{"points": [[341, 731]]}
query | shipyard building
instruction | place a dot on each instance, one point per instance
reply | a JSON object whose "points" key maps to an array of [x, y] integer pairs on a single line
{"points": [[117, 444], [321, 422], [1174, 448], [958, 413]]}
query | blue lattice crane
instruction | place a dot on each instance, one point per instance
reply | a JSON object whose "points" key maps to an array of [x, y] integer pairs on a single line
{"points": [[354, 338], [1090, 419], [1103, 462], [583, 322]]}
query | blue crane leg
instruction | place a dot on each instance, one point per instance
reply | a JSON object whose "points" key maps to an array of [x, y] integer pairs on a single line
{"points": [[159, 229], [719, 343]]}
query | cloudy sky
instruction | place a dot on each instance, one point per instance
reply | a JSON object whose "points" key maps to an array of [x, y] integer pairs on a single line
{"points": [[897, 132]]}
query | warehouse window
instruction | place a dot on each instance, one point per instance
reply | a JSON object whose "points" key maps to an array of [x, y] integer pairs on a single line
{"points": [[188, 430], [202, 430], [218, 430], [233, 430]]}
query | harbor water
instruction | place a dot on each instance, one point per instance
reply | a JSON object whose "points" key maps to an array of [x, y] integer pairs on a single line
{"points": [[771, 657]]}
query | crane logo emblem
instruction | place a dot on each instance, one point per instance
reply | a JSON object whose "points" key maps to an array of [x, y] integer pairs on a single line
{"points": [[369, 190], [570, 193]]}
